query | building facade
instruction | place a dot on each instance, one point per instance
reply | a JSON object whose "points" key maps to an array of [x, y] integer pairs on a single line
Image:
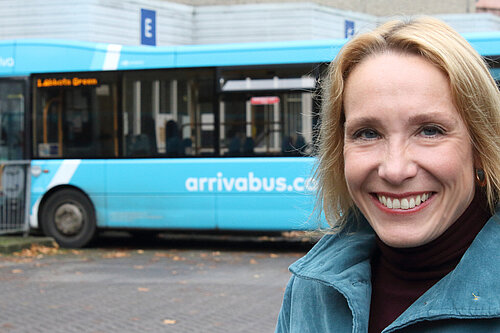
{"points": [[371, 7], [183, 22]]}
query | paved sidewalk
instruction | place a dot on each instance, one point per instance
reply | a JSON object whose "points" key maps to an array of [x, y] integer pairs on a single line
{"points": [[177, 285]]}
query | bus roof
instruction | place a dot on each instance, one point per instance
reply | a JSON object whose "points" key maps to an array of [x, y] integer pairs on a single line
{"points": [[20, 57], [27, 56]]}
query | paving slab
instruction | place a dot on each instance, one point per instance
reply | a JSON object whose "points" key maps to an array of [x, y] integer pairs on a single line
{"points": [[173, 285]]}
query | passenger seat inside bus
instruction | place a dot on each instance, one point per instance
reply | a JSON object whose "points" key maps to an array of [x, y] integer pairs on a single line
{"points": [[248, 146]]}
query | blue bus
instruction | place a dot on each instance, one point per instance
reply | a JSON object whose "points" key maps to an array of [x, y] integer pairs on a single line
{"points": [[212, 137]]}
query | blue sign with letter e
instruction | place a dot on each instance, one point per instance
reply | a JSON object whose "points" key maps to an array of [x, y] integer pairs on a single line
{"points": [[349, 28], [148, 27]]}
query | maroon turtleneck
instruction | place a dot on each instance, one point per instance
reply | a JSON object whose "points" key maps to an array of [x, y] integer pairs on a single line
{"points": [[401, 275]]}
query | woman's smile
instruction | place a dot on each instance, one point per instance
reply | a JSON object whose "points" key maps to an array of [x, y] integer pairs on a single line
{"points": [[403, 202]]}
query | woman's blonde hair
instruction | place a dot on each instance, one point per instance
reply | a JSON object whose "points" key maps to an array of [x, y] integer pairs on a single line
{"points": [[474, 93]]}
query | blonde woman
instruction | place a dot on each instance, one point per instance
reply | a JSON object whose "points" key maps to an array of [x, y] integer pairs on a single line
{"points": [[409, 179]]}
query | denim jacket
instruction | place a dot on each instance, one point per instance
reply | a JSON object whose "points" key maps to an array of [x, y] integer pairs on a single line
{"points": [[330, 289]]}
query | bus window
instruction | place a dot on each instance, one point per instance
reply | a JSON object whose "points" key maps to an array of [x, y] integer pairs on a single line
{"points": [[12, 103], [297, 124], [256, 124], [168, 114], [75, 116], [266, 111]]}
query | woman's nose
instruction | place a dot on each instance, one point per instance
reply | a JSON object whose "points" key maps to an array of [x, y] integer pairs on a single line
{"points": [[397, 164]]}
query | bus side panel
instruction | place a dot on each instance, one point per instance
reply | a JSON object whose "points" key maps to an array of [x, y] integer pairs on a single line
{"points": [[266, 212], [151, 193], [86, 175], [266, 194], [228, 193]]}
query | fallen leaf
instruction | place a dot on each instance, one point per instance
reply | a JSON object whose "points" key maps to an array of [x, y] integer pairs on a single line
{"points": [[17, 271], [253, 261], [169, 321], [216, 253], [37, 251], [143, 289], [46, 249], [138, 267], [118, 254], [273, 255]]}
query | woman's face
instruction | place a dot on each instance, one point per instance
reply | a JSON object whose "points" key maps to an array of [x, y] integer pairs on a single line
{"points": [[409, 162]]}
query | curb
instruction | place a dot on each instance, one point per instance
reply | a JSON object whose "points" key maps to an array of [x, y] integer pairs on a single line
{"points": [[10, 244]]}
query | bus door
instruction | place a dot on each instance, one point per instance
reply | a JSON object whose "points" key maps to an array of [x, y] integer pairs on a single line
{"points": [[12, 120], [13, 171]]}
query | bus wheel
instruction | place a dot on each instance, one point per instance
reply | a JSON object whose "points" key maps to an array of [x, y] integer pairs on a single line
{"points": [[68, 216]]}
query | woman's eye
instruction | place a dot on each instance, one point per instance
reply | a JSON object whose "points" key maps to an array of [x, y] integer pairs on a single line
{"points": [[366, 134], [431, 131]]}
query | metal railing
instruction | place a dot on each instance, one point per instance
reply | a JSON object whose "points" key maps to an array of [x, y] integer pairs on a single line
{"points": [[14, 196]]}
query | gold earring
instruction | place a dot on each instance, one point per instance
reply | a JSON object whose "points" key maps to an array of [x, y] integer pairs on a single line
{"points": [[480, 177]]}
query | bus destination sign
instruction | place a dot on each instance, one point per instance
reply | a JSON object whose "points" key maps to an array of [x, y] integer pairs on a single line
{"points": [[66, 82]]}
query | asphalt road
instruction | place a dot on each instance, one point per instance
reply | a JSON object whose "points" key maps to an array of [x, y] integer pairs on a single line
{"points": [[177, 283]]}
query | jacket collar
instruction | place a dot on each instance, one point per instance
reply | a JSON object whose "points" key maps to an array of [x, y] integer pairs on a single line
{"points": [[341, 257], [471, 290], [342, 261]]}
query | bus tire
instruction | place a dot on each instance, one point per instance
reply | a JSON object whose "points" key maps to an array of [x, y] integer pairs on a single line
{"points": [[68, 216]]}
